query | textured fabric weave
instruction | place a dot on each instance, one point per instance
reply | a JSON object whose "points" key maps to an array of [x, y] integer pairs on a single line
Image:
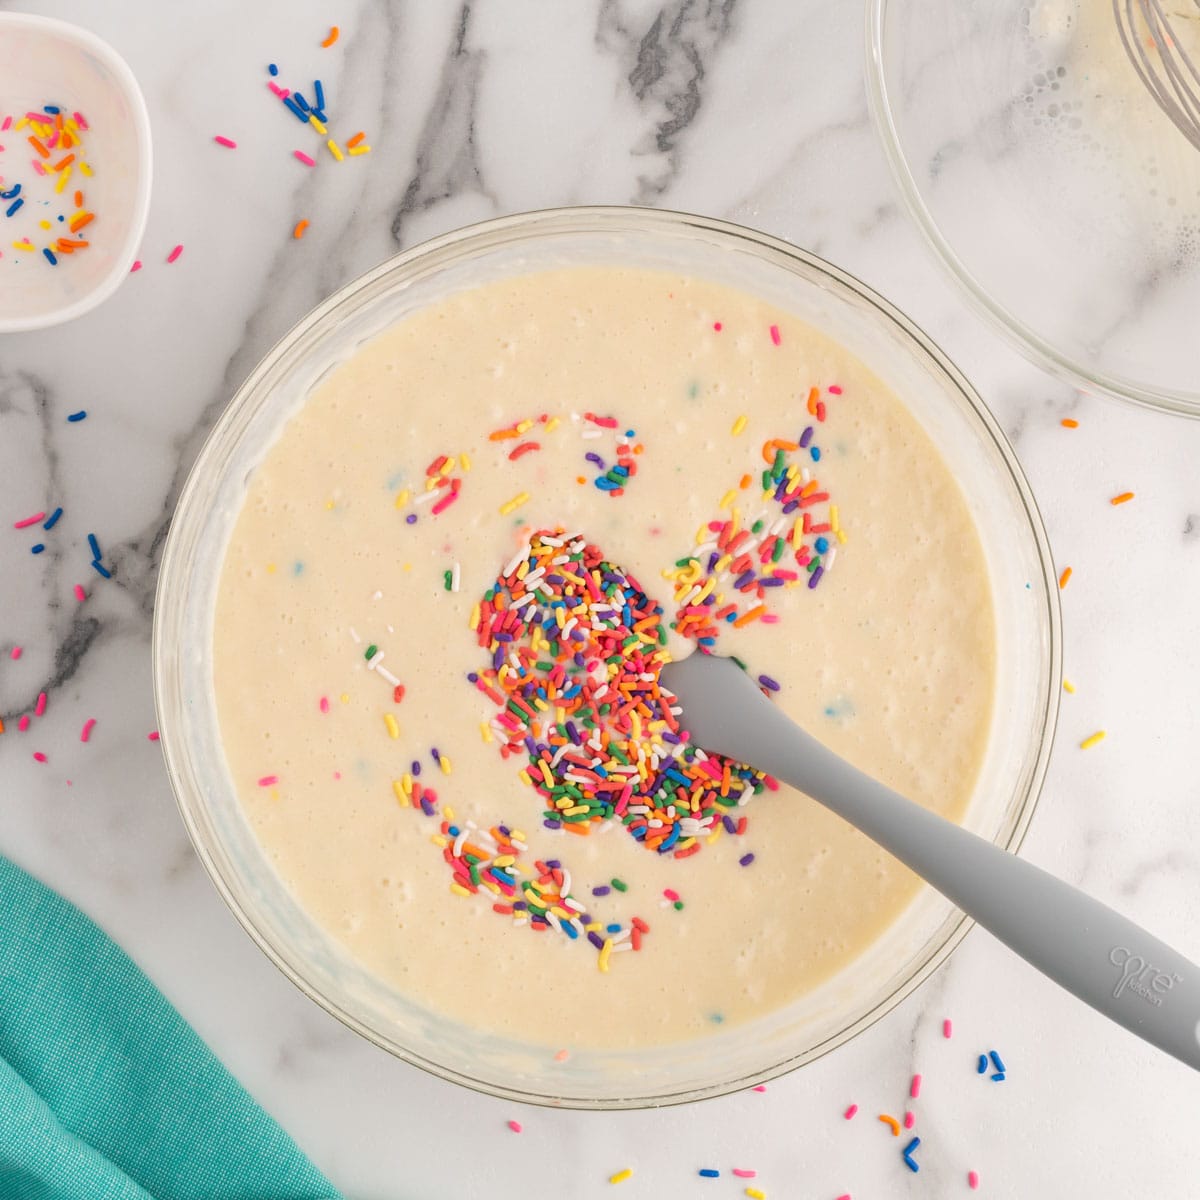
{"points": [[105, 1092]]}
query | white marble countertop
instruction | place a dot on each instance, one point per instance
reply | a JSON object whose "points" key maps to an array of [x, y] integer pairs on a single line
{"points": [[754, 112]]}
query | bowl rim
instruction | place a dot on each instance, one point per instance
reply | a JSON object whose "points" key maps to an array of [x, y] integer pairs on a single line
{"points": [[126, 82], [609, 217], [1037, 349]]}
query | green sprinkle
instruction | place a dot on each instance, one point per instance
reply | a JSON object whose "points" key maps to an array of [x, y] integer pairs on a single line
{"points": [[447, 576], [620, 885], [372, 650], [678, 905]]}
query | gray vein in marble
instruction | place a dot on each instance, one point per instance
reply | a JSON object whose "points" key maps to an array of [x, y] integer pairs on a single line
{"points": [[447, 162], [1174, 861], [668, 65], [1191, 527]]}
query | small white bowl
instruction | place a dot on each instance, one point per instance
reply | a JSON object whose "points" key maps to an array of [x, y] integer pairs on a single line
{"points": [[45, 61]]}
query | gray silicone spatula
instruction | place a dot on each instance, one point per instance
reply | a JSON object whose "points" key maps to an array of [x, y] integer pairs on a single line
{"points": [[1103, 958]]}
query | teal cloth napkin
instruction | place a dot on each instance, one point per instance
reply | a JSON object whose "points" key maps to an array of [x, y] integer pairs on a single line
{"points": [[105, 1092]]}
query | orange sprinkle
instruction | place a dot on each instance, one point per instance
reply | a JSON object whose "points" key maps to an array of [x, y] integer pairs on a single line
{"points": [[777, 444], [65, 161], [1122, 498], [752, 615], [37, 145], [1063, 578], [79, 220], [333, 37], [892, 1123], [814, 394], [744, 482], [78, 199], [358, 137], [1070, 423], [301, 226]]}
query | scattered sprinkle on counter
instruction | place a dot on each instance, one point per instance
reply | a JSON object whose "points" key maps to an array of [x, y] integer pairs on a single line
{"points": [[909, 1151], [915, 1087], [1068, 687], [298, 232], [1122, 498], [621, 1176], [80, 594], [330, 38], [947, 1028], [1095, 739], [849, 1113], [137, 266], [743, 1173], [268, 781], [709, 1173], [88, 725], [1070, 423], [38, 756], [306, 159], [229, 143], [973, 1180], [175, 253], [891, 1123], [81, 415], [515, 1126], [1064, 578]]}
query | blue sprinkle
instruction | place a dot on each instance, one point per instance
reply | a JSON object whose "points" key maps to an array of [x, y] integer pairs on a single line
{"points": [[297, 111], [613, 928], [982, 1065], [52, 519], [298, 568], [821, 544], [12, 193], [52, 109], [37, 549], [709, 1173], [908, 1155], [95, 545], [274, 70], [996, 1061], [998, 1077], [61, 217], [816, 453], [629, 433], [50, 256], [716, 1018], [79, 416], [100, 567], [319, 113], [320, 91], [300, 100]]}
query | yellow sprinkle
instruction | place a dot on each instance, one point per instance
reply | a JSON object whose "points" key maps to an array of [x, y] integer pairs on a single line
{"points": [[63, 176], [593, 927], [755, 1194], [392, 728], [406, 783], [504, 860], [45, 224], [727, 499], [620, 1176], [1068, 686], [402, 498], [552, 424], [466, 462], [1089, 742], [21, 123], [474, 621], [833, 517], [398, 788], [361, 150], [335, 150], [328, 505], [439, 840], [312, 120], [431, 483], [72, 124], [574, 810], [447, 466], [85, 169], [841, 536], [605, 952], [274, 793], [459, 890], [513, 504], [522, 426], [738, 426], [345, 698], [270, 568], [523, 774], [446, 771]]}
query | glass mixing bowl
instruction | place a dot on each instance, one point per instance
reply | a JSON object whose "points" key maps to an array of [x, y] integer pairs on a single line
{"points": [[1018, 558], [1048, 183]]}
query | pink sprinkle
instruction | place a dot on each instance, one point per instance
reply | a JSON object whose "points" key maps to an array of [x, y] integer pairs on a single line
{"points": [[304, 158], [16, 653], [80, 594], [88, 725], [175, 253], [153, 735], [23, 723], [850, 1111], [324, 703], [845, 1196], [7, 125], [81, 121], [775, 335], [37, 166], [268, 781], [137, 266], [762, 1087], [835, 390], [972, 1179], [915, 1090], [909, 1120], [947, 1028], [27, 521], [337, 775], [38, 756], [744, 1173], [515, 1126], [717, 326], [671, 894], [562, 1056], [282, 92], [39, 709], [224, 141]]}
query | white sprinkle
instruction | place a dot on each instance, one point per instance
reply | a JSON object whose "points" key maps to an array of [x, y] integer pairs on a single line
{"points": [[455, 577], [385, 674], [458, 842], [517, 559], [573, 904], [588, 434], [617, 947], [830, 555], [374, 661], [377, 596], [553, 921], [428, 497], [357, 639], [520, 920]]}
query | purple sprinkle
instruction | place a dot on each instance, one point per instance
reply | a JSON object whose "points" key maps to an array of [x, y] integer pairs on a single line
{"points": [[746, 860], [768, 683], [554, 864], [520, 905], [596, 940], [806, 437], [744, 578], [437, 758], [815, 577], [411, 519], [595, 458], [550, 823], [601, 891], [472, 677], [426, 806], [713, 559], [730, 824], [416, 767], [791, 506], [504, 830]]}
